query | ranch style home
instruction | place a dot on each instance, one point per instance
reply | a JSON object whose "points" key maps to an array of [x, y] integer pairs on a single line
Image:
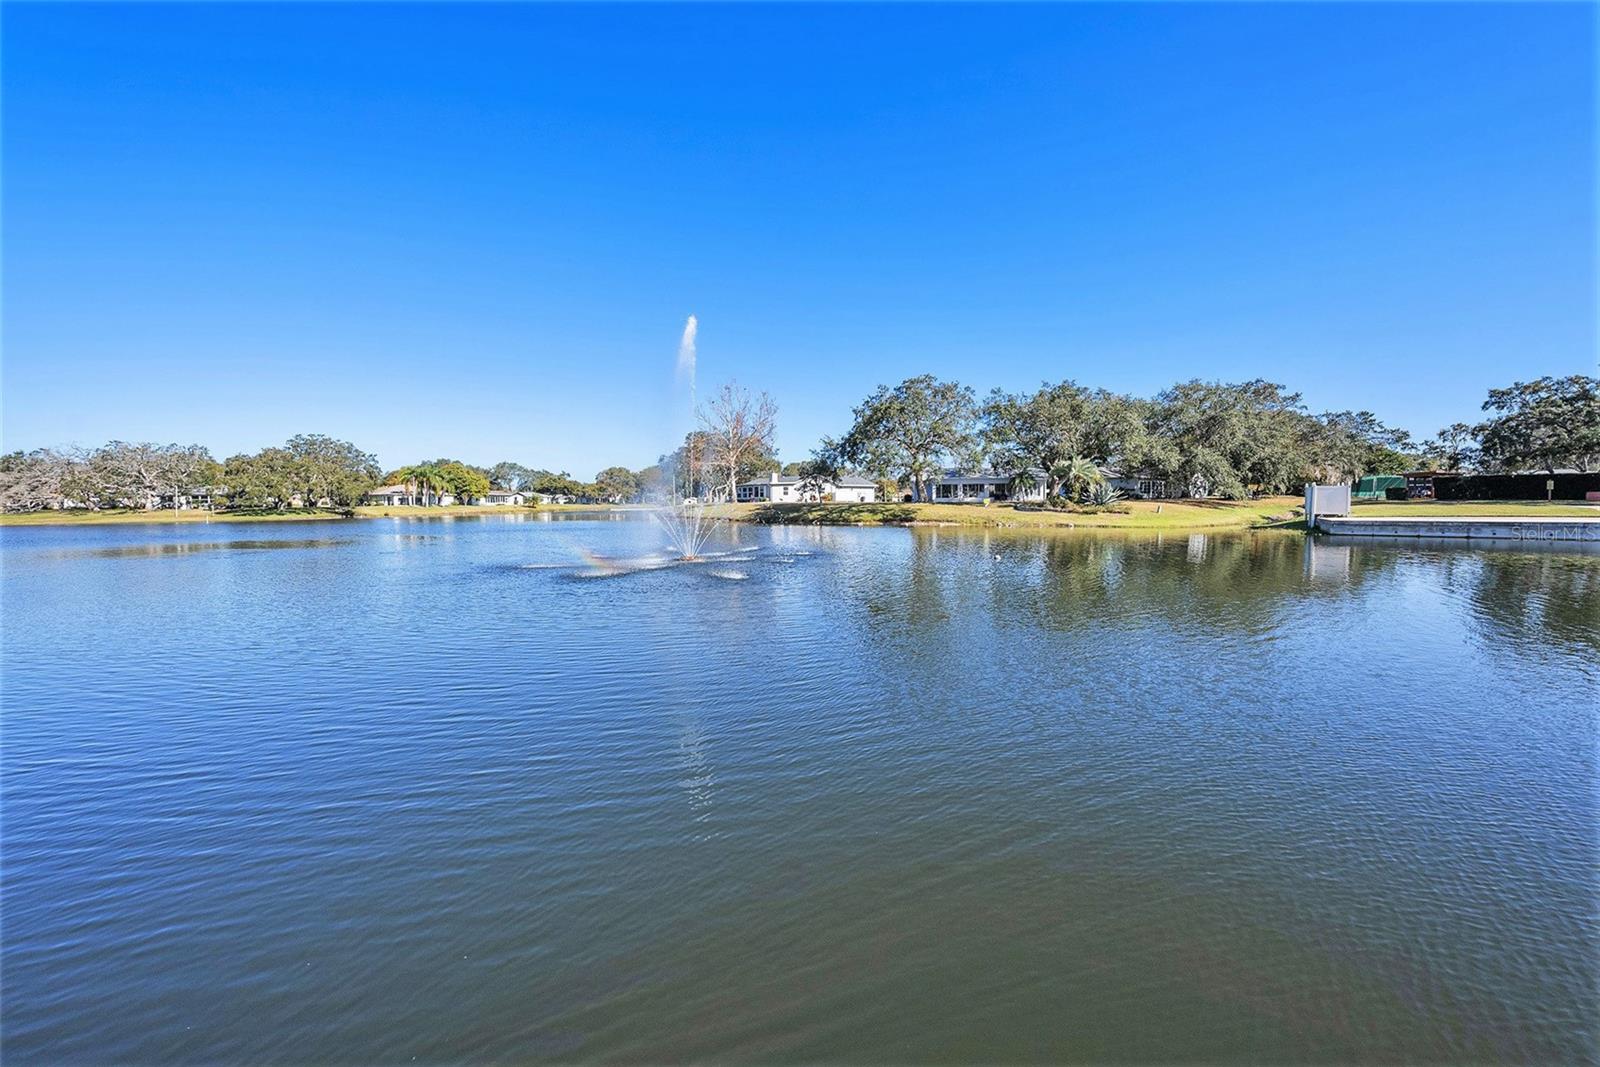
{"points": [[406, 496], [512, 498], [964, 487], [974, 487], [780, 489], [1145, 486]]}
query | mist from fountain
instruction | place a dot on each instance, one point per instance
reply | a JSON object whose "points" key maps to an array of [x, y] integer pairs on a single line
{"points": [[688, 527], [685, 518]]}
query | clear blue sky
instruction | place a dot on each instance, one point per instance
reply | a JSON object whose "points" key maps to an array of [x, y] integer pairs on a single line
{"points": [[476, 231]]}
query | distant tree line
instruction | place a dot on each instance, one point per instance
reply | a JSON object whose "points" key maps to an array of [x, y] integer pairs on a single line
{"points": [[1231, 439], [309, 469], [613, 485], [1224, 439]]}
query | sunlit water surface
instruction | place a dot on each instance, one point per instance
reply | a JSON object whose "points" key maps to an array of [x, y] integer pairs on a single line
{"points": [[375, 791]]}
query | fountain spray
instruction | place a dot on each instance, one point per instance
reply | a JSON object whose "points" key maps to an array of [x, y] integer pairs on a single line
{"points": [[684, 518]]}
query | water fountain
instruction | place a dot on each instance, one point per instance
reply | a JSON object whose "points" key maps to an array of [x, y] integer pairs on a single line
{"points": [[685, 516], [687, 526]]}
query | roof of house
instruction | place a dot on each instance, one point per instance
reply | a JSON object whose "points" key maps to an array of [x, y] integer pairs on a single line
{"points": [[955, 474], [386, 490], [851, 481]]}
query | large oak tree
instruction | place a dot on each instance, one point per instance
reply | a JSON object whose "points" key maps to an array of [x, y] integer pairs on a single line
{"points": [[908, 431]]}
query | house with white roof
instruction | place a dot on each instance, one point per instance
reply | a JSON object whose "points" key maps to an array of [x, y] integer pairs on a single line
{"points": [[392, 495], [410, 496], [777, 488], [1147, 486]]}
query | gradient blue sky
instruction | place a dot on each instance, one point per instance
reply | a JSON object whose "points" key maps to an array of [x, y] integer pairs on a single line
{"points": [[476, 230]]}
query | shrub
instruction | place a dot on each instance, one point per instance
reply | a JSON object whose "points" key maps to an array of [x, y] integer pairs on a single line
{"points": [[1101, 495]]}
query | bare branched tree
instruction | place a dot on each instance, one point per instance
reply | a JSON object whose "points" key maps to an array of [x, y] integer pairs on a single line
{"points": [[30, 481], [741, 427]]}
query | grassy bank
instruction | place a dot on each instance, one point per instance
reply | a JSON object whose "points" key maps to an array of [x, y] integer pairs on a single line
{"points": [[1450, 509], [1130, 515], [107, 516], [473, 510], [1134, 514]]}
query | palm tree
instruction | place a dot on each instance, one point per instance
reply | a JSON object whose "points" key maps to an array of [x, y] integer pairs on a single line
{"points": [[434, 479], [1077, 474], [1022, 482], [401, 476], [425, 479]]}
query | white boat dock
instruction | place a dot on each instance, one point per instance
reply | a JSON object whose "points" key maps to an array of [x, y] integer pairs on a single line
{"points": [[1499, 528]]}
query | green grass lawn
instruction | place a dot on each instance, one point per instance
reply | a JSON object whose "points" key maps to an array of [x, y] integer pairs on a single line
{"points": [[1445, 509], [1139, 514], [1131, 514]]}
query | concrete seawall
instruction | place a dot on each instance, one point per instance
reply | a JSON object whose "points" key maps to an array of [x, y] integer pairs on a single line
{"points": [[1498, 529]]}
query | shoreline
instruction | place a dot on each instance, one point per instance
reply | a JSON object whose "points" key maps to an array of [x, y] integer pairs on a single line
{"points": [[1283, 513], [1139, 515], [169, 517], [1128, 515], [1266, 513]]}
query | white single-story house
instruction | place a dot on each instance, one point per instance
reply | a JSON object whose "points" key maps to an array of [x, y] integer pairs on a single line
{"points": [[964, 487], [1147, 486], [1141, 485], [392, 495], [513, 498], [961, 487], [854, 489], [776, 488], [203, 497], [406, 496]]}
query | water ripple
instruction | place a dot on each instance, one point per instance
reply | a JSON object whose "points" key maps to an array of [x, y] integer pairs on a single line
{"points": [[892, 795]]}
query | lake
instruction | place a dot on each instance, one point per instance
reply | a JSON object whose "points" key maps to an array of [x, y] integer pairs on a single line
{"points": [[376, 791]]}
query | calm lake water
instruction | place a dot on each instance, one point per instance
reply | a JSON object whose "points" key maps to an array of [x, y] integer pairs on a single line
{"points": [[373, 791]]}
